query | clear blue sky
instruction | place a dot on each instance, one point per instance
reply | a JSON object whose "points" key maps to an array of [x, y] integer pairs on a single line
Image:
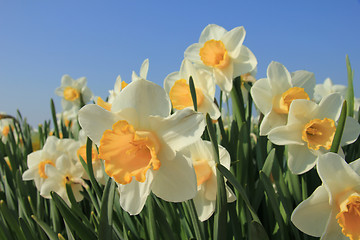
{"points": [[42, 40]]}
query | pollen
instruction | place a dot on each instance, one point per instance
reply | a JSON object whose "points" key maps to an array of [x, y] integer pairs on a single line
{"points": [[349, 217], [128, 153], [203, 171], [82, 152], [71, 94], [214, 54], [41, 167], [180, 95], [319, 133], [281, 103]]}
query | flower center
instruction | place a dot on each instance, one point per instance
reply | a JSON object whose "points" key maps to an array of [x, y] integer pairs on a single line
{"points": [[281, 103], [319, 133], [128, 152], [67, 179], [103, 104], [349, 217], [71, 94], [41, 167], [6, 131], [82, 152], [180, 95], [214, 54], [202, 170]]}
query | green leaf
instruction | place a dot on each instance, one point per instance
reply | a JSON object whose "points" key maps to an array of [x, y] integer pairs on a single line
{"points": [[53, 114], [350, 89], [339, 129], [193, 92], [257, 231], [11, 220], [47, 229], [106, 211]]}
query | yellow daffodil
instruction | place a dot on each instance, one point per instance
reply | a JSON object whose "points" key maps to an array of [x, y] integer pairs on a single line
{"points": [[333, 209], [327, 88], [223, 53], [72, 91], [139, 142], [274, 94], [202, 156], [310, 131], [176, 84]]}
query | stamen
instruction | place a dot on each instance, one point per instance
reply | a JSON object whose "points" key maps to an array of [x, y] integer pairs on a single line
{"points": [[319, 133]]}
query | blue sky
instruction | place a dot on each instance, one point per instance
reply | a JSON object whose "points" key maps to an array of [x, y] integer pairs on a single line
{"points": [[42, 40]]}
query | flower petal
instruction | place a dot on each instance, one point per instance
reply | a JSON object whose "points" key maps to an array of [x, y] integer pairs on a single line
{"points": [[300, 159], [245, 62], [193, 52], [175, 180], [304, 79], [144, 68], [212, 31], [351, 131], [285, 135], [233, 41], [333, 229], [134, 194], [336, 174], [330, 107], [312, 214], [204, 207], [261, 94], [180, 129], [224, 77], [279, 77], [271, 121], [146, 97]]}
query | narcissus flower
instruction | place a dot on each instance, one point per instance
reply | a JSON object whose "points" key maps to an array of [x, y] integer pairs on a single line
{"points": [[223, 53], [72, 91], [310, 131], [202, 156], [176, 84], [327, 88], [333, 209], [139, 141], [274, 94]]}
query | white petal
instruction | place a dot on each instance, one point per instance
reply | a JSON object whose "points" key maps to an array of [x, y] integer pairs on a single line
{"points": [[30, 174], [175, 180], [356, 166], [304, 79], [204, 207], [81, 82], [230, 195], [245, 62], [279, 77], [193, 52], [289, 134], [170, 81], [302, 111], [94, 120], [212, 31], [336, 174], [333, 229], [34, 158], [300, 159], [180, 129], [330, 107], [134, 194], [208, 106], [66, 80], [144, 68], [233, 41], [271, 121], [312, 214], [351, 131], [146, 97], [261, 94], [224, 78]]}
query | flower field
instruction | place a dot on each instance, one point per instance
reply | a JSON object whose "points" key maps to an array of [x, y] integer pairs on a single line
{"points": [[217, 152]]}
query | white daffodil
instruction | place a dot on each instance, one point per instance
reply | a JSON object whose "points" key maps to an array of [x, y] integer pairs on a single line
{"points": [[274, 94], [223, 53], [97, 163], [139, 141], [202, 155], [72, 91], [6, 125], [327, 88], [36, 161], [176, 84], [333, 209], [64, 171], [310, 131]]}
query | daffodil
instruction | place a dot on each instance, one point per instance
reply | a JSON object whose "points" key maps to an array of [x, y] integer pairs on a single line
{"points": [[223, 53], [176, 84], [333, 209], [274, 94], [36, 161], [139, 142], [326, 88], [310, 131], [63, 172], [6, 125], [202, 156], [73, 92]]}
